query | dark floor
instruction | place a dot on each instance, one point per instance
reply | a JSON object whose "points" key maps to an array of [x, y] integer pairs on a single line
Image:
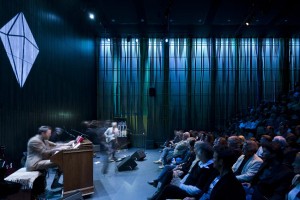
{"points": [[115, 185]]}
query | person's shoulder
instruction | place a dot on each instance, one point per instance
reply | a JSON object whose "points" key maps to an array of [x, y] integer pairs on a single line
{"points": [[256, 158], [35, 137]]}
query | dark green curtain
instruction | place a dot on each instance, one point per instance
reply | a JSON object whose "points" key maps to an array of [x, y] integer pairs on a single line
{"points": [[199, 83]]}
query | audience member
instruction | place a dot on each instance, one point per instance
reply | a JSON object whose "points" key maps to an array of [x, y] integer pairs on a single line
{"points": [[263, 139], [197, 180], [235, 143], [273, 178], [247, 164], [294, 193], [225, 186], [180, 165]]}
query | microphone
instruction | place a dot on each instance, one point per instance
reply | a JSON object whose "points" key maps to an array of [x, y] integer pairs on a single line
{"points": [[60, 131], [80, 133], [70, 134]]}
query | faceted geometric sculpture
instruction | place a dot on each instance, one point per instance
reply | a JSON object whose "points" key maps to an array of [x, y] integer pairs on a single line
{"points": [[20, 46]]}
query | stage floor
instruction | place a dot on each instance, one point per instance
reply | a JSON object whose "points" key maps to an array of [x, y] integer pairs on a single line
{"points": [[115, 185]]}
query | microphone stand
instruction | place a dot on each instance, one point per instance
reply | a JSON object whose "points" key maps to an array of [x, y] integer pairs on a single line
{"points": [[69, 134], [144, 142], [82, 134]]}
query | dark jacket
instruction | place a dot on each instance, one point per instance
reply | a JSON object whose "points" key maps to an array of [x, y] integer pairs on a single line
{"points": [[228, 188], [274, 185]]}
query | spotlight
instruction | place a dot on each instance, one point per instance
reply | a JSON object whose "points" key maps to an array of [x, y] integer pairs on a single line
{"points": [[166, 40], [136, 40], [108, 40], [91, 16], [247, 24]]}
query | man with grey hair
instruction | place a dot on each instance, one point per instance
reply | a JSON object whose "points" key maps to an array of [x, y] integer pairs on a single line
{"points": [[111, 135], [247, 164]]}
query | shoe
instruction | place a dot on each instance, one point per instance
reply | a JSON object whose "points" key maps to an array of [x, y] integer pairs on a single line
{"points": [[153, 183], [161, 167], [56, 185], [158, 162]]}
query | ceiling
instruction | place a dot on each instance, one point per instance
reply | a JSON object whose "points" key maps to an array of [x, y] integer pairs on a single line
{"points": [[187, 18]]}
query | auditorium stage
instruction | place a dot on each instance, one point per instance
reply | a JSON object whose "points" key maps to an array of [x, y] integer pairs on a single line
{"points": [[115, 185]]}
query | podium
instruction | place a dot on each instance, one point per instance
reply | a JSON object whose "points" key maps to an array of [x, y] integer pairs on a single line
{"points": [[77, 168]]}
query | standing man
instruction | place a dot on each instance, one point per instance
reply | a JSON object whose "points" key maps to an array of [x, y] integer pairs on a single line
{"points": [[111, 135], [39, 151]]}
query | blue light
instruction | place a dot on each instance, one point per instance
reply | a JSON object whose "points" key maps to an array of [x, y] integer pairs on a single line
{"points": [[91, 16]]}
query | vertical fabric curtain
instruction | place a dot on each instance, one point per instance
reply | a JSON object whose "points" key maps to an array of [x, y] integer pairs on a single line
{"points": [[294, 58], [199, 83]]}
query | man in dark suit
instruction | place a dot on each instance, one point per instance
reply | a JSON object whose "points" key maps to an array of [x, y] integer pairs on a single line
{"points": [[39, 151], [197, 180], [227, 187]]}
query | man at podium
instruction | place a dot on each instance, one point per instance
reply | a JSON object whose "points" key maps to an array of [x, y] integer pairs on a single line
{"points": [[39, 151]]}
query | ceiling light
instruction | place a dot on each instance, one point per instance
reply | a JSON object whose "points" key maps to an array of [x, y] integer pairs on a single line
{"points": [[136, 40], [247, 24], [91, 16], [108, 40], [166, 40]]}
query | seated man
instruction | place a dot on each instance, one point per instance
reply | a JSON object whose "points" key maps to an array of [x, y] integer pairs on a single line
{"points": [[39, 151], [247, 164], [197, 180], [225, 186], [183, 165], [273, 179], [179, 150], [169, 146], [294, 192]]}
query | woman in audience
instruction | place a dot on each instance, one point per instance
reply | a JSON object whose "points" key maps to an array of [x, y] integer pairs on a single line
{"points": [[294, 194]]}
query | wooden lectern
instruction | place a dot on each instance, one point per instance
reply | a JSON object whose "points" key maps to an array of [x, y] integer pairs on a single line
{"points": [[77, 168]]}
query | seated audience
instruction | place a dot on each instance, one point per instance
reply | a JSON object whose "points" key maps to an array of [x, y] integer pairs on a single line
{"points": [[197, 180], [273, 178], [294, 193], [220, 141], [263, 139], [235, 143], [180, 165], [169, 146], [226, 186], [247, 164], [178, 151]]}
